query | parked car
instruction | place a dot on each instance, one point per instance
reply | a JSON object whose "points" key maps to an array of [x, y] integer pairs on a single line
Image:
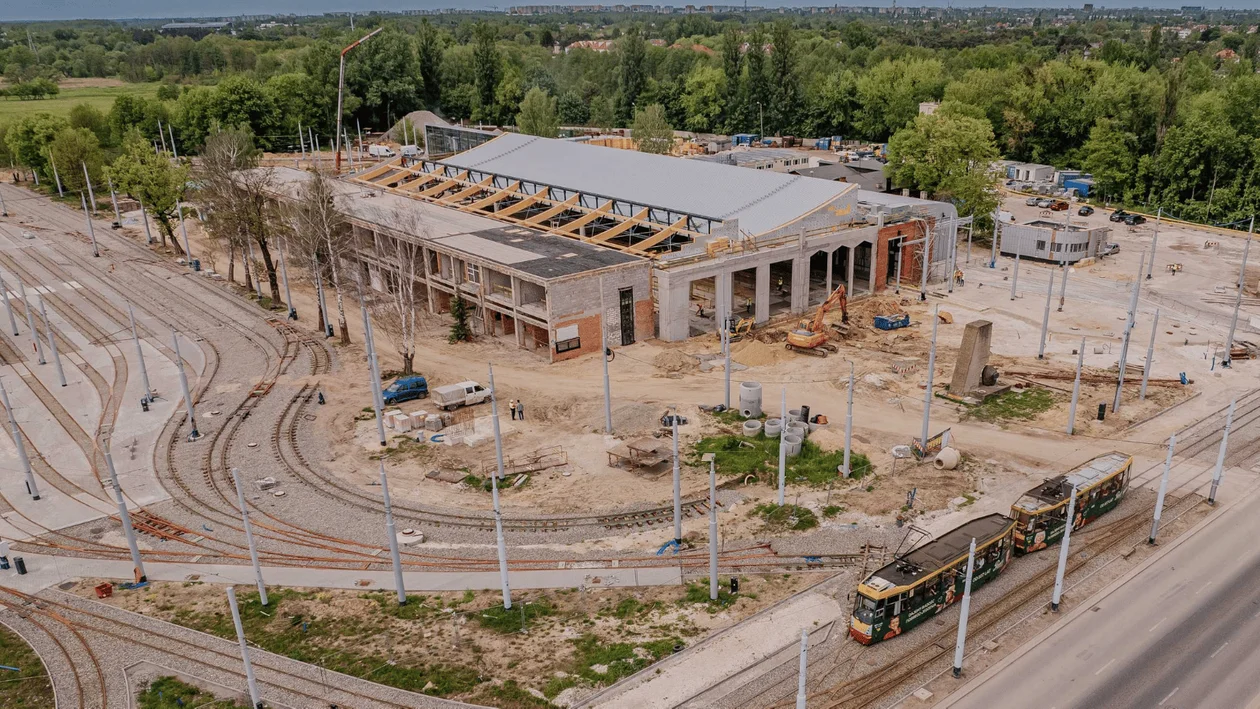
{"points": [[411, 151], [1134, 219], [1045, 203], [1118, 215], [1085, 210], [381, 151], [453, 396], [1031, 202], [1108, 249], [1059, 206], [406, 389]]}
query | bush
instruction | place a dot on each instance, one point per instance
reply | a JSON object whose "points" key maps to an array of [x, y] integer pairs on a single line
{"points": [[784, 517]]}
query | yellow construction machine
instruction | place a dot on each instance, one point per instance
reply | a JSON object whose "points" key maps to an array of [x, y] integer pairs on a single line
{"points": [[811, 338]]}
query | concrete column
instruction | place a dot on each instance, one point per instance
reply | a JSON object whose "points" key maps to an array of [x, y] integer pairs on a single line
{"points": [[723, 294], [849, 277], [829, 265], [871, 272], [761, 300], [800, 284], [674, 311]]}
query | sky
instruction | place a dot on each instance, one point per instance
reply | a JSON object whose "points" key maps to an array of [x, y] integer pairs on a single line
{"points": [[17, 10]]}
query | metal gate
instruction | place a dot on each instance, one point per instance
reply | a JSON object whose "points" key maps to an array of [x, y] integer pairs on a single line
{"points": [[627, 316]]}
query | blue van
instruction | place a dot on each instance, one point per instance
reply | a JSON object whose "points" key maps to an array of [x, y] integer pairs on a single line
{"points": [[406, 389]]}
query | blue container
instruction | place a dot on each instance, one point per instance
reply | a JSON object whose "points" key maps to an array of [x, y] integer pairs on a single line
{"points": [[892, 322]]}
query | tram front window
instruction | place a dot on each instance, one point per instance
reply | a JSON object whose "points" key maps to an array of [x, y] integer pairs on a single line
{"points": [[868, 610]]}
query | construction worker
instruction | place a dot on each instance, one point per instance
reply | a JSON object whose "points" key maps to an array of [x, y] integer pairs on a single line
{"points": [[512, 408], [781, 290], [520, 410], [748, 305], [958, 276]]}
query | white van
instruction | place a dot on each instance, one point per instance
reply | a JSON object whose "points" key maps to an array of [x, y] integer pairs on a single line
{"points": [[453, 396], [411, 151], [381, 151]]}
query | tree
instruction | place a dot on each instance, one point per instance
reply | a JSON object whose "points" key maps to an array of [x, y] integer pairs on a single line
{"points": [[319, 236], [889, 94], [573, 110], [651, 131], [1111, 156], [29, 139], [85, 115], [858, 34], [487, 67], [538, 115], [429, 54], [153, 180], [396, 312], [756, 85], [459, 328], [385, 75], [732, 66], [603, 116], [704, 99], [949, 156], [631, 74], [785, 89], [75, 149]]}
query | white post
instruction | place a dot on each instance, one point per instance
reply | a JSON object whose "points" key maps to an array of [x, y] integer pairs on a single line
{"points": [[113, 199], [726, 349], [171, 131], [782, 446], [31, 487], [931, 370], [1154, 242], [376, 366], [91, 232], [848, 426], [8, 307], [30, 323], [901, 245], [254, 699], [393, 539], [1076, 388], [713, 530], [284, 276], [677, 482], [1063, 286], [1015, 276], [161, 135], [183, 385], [966, 610], [310, 139], [1045, 317], [993, 248], [301, 140], [88, 180], [52, 342], [1150, 356], [1163, 488], [1242, 274], [953, 254], [377, 402], [249, 535], [56, 176], [184, 230], [144, 219], [1128, 331], [927, 261], [1242, 271], [1220, 453], [125, 517], [4, 211], [800, 681], [144, 372], [608, 427], [1063, 553], [494, 489]]}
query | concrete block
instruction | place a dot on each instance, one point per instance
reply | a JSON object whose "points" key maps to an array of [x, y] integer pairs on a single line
{"points": [[922, 694], [973, 355]]}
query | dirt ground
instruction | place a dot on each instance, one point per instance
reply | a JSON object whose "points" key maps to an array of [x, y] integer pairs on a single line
{"points": [[567, 645]]}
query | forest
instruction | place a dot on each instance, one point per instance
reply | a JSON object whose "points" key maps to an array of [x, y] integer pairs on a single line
{"points": [[1160, 117]]}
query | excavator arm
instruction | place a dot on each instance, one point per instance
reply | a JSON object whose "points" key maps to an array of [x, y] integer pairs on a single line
{"points": [[839, 297]]}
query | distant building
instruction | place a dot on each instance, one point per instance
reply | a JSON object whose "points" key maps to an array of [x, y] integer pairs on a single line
{"points": [[868, 175], [193, 29], [927, 108], [1029, 172], [1045, 240]]}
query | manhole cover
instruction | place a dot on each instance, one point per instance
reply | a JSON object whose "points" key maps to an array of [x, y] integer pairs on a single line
{"points": [[67, 585], [97, 530]]}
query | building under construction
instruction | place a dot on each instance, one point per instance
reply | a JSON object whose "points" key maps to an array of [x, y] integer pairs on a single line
{"points": [[550, 240]]}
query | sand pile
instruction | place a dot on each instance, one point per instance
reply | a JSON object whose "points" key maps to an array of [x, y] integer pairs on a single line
{"points": [[863, 312], [754, 353], [675, 361], [830, 438]]}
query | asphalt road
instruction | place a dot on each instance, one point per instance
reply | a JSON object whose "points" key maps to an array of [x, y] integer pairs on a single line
{"points": [[1184, 633]]}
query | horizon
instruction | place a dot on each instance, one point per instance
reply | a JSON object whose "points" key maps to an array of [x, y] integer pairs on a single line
{"points": [[149, 10]]}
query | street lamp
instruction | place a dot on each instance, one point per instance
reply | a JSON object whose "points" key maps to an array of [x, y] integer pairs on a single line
{"points": [[341, 82]]}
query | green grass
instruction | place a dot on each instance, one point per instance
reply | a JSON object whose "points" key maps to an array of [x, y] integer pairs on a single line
{"points": [[28, 688], [732, 416], [698, 592], [102, 97], [168, 693], [556, 685], [620, 658], [508, 695], [1013, 406], [739, 456], [785, 517], [513, 620], [832, 510]]}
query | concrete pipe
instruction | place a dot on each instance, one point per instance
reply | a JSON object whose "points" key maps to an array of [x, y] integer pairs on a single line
{"points": [[792, 444], [773, 428], [750, 399], [794, 415], [752, 428], [748, 413], [799, 429], [947, 459]]}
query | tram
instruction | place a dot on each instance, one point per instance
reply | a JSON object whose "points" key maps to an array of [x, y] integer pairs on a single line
{"points": [[923, 582], [1041, 513]]}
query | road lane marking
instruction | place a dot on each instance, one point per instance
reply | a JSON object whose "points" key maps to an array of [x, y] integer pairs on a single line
{"points": [[1209, 583], [1161, 702], [1218, 650], [1153, 627], [1100, 669]]}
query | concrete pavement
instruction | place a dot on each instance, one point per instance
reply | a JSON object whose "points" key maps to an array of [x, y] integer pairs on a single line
{"points": [[1182, 632]]}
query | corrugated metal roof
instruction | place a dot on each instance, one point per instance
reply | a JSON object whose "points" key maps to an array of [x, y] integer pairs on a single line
{"points": [[760, 200]]}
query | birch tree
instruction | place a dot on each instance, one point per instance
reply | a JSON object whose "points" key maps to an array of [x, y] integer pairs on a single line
{"points": [[320, 237], [396, 311]]}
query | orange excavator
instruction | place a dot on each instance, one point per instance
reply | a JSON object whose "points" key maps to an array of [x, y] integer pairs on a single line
{"points": [[811, 338]]}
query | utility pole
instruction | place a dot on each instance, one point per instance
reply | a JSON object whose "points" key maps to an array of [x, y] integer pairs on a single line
{"points": [[171, 132], [726, 350], [254, 699], [144, 218], [323, 303], [161, 135], [1063, 553], [848, 426], [608, 426], [900, 247], [341, 83], [1242, 272], [184, 231], [1154, 242], [1076, 388], [713, 527], [8, 307], [31, 487], [183, 385], [96, 253], [800, 681], [249, 536], [677, 482], [284, 276], [1063, 287], [52, 343], [1015, 276], [993, 249], [953, 254], [494, 488], [30, 323], [931, 370], [783, 423], [966, 611], [56, 175], [4, 211], [1163, 488], [1228, 360], [392, 535], [927, 261], [125, 517], [1045, 317], [91, 195], [113, 199], [1128, 331], [301, 140], [1150, 355], [144, 372], [310, 139], [377, 400], [1220, 454]]}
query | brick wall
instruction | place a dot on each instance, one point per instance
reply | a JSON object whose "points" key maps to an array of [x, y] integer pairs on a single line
{"points": [[588, 333]]}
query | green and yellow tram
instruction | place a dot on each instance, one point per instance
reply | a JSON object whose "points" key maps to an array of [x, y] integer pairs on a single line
{"points": [[1041, 513], [923, 582]]}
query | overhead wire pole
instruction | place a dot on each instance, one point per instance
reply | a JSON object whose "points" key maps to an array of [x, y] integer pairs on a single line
{"points": [[1220, 454], [301, 140], [284, 276], [392, 535], [1015, 276], [31, 486], [254, 699], [377, 402], [782, 445], [677, 482], [8, 307], [494, 489], [249, 536], [1154, 242], [993, 249], [1242, 272], [1150, 356], [96, 253], [183, 385], [179, 207], [1057, 595], [801, 696], [1233, 323], [926, 253], [144, 372], [848, 425], [52, 342], [960, 645], [171, 131], [341, 84], [56, 175], [144, 218], [931, 370], [113, 199], [713, 527], [1076, 388], [125, 517], [1063, 286], [1045, 317], [1163, 489], [88, 179], [36, 345], [605, 354], [1128, 332]]}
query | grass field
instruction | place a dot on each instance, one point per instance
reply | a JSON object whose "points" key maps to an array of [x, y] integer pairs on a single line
{"points": [[28, 688], [101, 97]]}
